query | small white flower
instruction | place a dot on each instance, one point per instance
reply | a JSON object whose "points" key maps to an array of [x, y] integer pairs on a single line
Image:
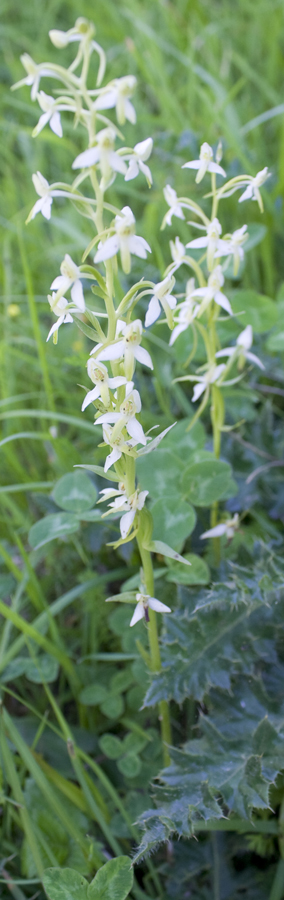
{"points": [[58, 307], [187, 313], [242, 349], [103, 154], [161, 297], [213, 292], [98, 374], [141, 152], [128, 347], [122, 503], [211, 240], [252, 191], [70, 277], [119, 446], [232, 245], [125, 418], [205, 380], [51, 113], [178, 254], [144, 603], [228, 528], [34, 74], [117, 94], [46, 194], [175, 209], [204, 163], [124, 240], [82, 32]]}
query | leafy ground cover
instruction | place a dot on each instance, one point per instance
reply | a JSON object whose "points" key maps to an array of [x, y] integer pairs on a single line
{"points": [[83, 775]]}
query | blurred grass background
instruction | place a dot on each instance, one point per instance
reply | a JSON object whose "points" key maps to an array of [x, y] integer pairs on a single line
{"points": [[205, 70]]}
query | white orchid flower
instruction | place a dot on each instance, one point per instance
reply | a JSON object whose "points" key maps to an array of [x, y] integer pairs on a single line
{"points": [[242, 349], [34, 74], [228, 528], [83, 32], [232, 245], [125, 418], [175, 205], [46, 193], [124, 240], [211, 240], [58, 307], [128, 347], [161, 297], [98, 374], [51, 113], [141, 152], [119, 446], [252, 191], [187, 312], [144, 603], [204, 163], [70, 278], [210, 377], [117, 94], [122, 503], [103, 154], [178, 254], [213, 292]]}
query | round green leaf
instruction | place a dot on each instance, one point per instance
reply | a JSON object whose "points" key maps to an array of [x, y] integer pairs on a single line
{"points": [[93, 694], [173, 523], [111, 746], [129, 765], [75, 492], [197, 573], [113, 881], [43, 669], [205, 482], [161, 477], [113, 707], [64, 884], [259, 311], [183, 442], [54, 526]]}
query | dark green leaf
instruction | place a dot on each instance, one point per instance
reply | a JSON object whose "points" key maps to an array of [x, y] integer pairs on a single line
{"points": [[54, 526], [113, 881], [64, 884], [75, 492]]}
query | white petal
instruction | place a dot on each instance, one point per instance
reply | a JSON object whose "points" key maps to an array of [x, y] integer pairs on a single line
{"points": [[198, 390], [141, 499], [213, 167], [117, 381], [218, 371], [247, 194], [157, 605], [55, 124], [227, 351], [130, 113], [112, 458], [138, 614], [126, 522], [176, 332], [144, 148], [46, 205], [90, 396], [198, 242], [153, 311], [61, 282], [138, 246], [108, 249], [117, 163], [223, 301], [217, 531], [245, 338], [77, 295], [136, 431], [55, 326], [108, 419], [107, 100], [88, 158], [254, 359], [143, 357], [132, 171], [194, 164], [114, 351]]}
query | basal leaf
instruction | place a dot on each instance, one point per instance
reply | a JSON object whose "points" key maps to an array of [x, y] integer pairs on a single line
{"points": [[64, 884], [53, 526], [75, 492], [113, 881]]}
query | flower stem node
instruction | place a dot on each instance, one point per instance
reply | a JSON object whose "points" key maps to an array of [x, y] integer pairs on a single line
{"points": [[144, 603]]}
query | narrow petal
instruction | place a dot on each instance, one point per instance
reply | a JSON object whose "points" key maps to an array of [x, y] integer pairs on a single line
{"points": [[117, 163], [217, 531], [112, 458], [77, 295], [107, 100], [55, 124], [141, 499], [90, 396], [87, 158], [247, 194], [132, 171], [117, 381], [194, 164], [254, 359], [130, 113], [108, 249], [198, 390], [108, 419], [227, 351], [55, 327], [139, 246], [223, 301], [157, 605], [46, 205], [113, 351], [136, 431], [213, 167], [153, 311], [198, 243], [143, 357], [61, 282], [176, 332], [126, 522], [138, 614]]}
